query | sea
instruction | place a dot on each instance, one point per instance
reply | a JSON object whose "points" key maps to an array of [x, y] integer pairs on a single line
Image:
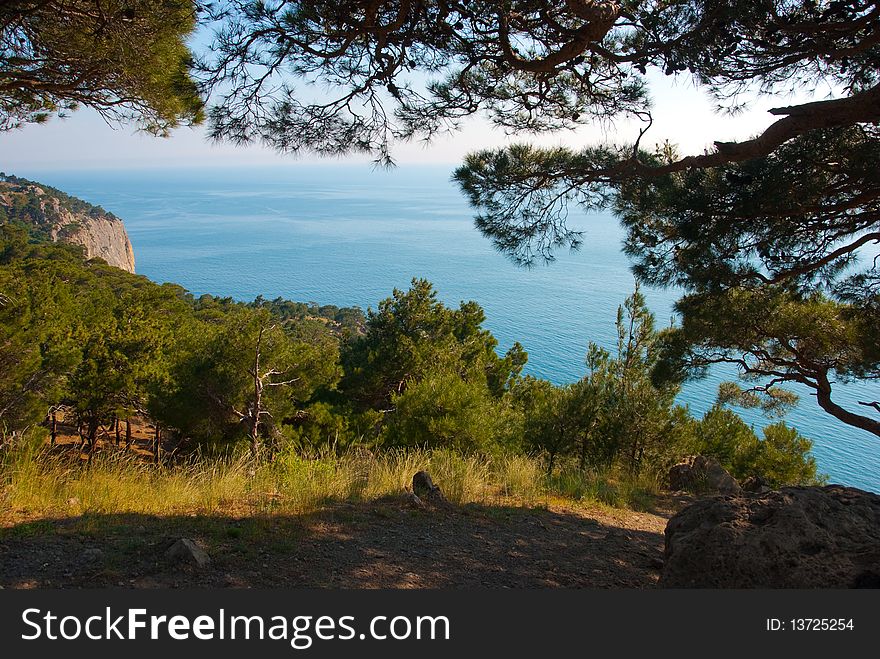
{"points": [[350, 234]]}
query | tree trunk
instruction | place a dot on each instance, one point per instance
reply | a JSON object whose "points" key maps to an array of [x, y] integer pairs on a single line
{"points": [[117, 430], [823, 397], [256, 409], [633, 454], [157, 438], [92, 436], [53, 427], [128, 433]]}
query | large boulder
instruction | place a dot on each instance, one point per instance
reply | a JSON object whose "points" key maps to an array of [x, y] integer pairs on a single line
{"points": [[797, 537], [698, 473]]}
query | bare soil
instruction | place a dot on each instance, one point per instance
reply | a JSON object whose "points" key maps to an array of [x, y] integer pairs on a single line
{"points": [[380, 544], [388, 543]]}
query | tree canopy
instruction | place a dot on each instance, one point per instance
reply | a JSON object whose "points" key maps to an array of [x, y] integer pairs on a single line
{"points": [[791, 215], [127, 59]]}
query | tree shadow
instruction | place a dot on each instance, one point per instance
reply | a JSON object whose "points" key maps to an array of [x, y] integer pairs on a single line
{"points": [[386, 543]]}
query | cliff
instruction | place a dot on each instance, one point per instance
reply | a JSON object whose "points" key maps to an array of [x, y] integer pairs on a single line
{"points": [[54, 215]]}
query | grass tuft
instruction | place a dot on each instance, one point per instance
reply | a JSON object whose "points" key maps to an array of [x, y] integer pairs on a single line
{"points": [[37, 482]]}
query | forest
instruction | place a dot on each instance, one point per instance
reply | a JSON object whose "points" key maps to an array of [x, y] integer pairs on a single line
{"points": [[278, 384]]}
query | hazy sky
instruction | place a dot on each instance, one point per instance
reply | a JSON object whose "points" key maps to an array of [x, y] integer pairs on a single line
{"points": [[682, 114]]}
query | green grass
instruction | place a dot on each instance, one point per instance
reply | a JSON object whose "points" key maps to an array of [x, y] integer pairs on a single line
{"points": [[37, 483]]}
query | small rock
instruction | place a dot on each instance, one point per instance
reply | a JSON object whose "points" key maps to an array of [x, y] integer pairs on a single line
{"points": [[187, 551], [413, 498], [422, 483], [423, 488], [73, 501], [92, 555], [701, 473], [756, 485]]}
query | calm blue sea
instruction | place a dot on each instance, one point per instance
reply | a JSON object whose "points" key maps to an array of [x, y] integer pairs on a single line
{"points": [[348, 235]]}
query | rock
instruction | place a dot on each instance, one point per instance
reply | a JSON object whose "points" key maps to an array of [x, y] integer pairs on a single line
{"points": [[424, 489], [66, 219], [187, 551], [103, 237], [73, 501], [422, 483], [413, 498], [756, 484], [92, 555], [702, 474], [796, 537]]}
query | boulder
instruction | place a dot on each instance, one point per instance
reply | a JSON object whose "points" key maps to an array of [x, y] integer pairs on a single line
{"points": [[796, 537], [698, 473], [187, 551]]}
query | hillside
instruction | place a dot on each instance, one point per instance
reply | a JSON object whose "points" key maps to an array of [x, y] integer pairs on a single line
{"points": [[51, 213]]}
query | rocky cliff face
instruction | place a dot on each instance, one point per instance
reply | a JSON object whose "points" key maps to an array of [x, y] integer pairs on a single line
{"points": [[66, 219], [102, 236]]}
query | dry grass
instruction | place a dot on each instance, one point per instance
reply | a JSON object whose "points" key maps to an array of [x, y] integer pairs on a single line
{"points": [[37, 483]]}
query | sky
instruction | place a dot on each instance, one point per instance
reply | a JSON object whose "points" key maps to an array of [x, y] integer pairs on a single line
{"points": [[683, 114]]}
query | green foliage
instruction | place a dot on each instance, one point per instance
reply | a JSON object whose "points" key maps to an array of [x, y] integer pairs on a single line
{"points": [[548, 423], [38, 332], [775, 335], [432, 371], [125, 347], [772, 401], [412, 334], [445, 410], [323, 426], [128, 59], [108, 344], [642, 421], [212, 398], [723, 435], [614, 417], [782, 457], [23, 199], [346, 321]]}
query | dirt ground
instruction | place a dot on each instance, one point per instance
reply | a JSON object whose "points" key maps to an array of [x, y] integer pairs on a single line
{"points": [[389, 543], [381, 544]]}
